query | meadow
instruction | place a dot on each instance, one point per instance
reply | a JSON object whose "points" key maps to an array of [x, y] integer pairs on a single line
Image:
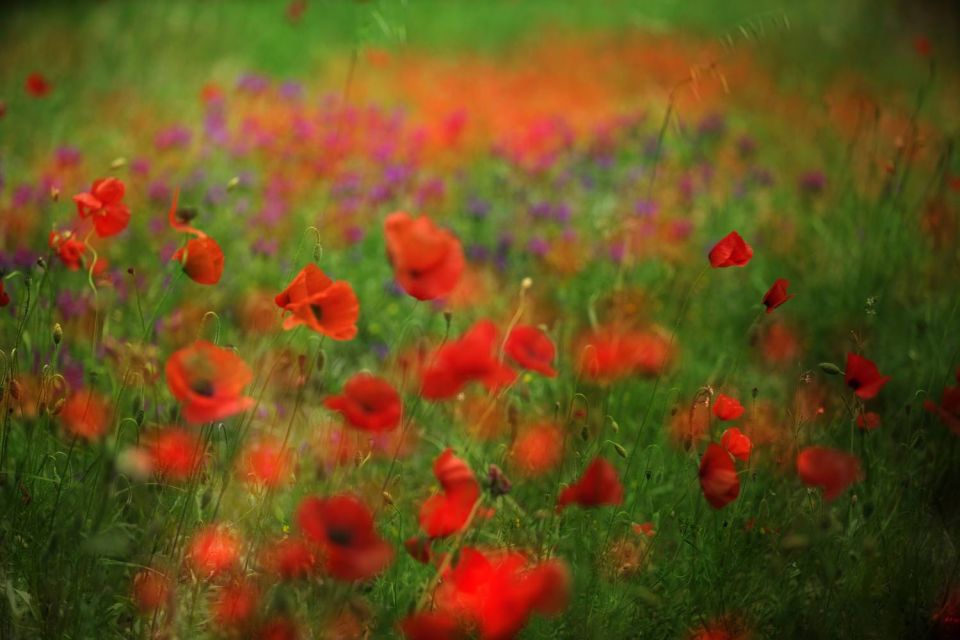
{"points": [[440, 320]]}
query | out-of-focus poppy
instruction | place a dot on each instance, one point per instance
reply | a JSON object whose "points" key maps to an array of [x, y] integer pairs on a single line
{"points": [[278, 629], [609, 354], [537, 449], [921, 44], [342, 527], [868, 420], [736, 443], [104, 204], [864, 377], [949, 408], [235, 604], [152, 590], [829, 469], [209, 381], [776, 295], [727, 408], [4, 296], [267, 462], [431, 625], [368, 403], [427, 260], [37, 85], [175, 454], [532, 349], [213, 550], [598, 486], [718, 477], [289, 558], [446, 513], [86, 415], [459, 362], [497, 592], [327, 307], [731, 251]]}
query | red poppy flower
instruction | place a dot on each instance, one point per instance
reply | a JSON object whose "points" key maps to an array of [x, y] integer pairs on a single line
{"points": [[921, 44], [342, 527], [314, 300], [104, 203], [532, 349], [278, 629], [830, 469], [446, 513], [459, 362], [431, 625], [868, 420], [86, 415], [731, 251], [4, 296], [777, 294], [645, 529], [68, 248], [368, 403], [949, 408], [419, 548], [151, 590], [609, 354], [599, 485], [718, 477], [37, 85], [736, 443], [538, 449], [497, 592], [202, 260], [267, 462], [727, 408], [235, 604], [427, 261], [214, 550], [864, 377], [290, 558], [209, 381], [175, 454]]}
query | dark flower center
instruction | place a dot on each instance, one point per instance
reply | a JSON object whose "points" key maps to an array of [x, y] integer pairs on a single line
{"points": [[340, 537], [317, 311], [202, 387], [854, 384]]}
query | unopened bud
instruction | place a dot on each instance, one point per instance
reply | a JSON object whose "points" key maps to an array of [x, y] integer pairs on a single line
{"points": [[831, 369], [55, 194], [118, 163], [498, 482], [58, 407], [234, 183], [57, 333], [387, 498], [620, 450], [526, 283]]}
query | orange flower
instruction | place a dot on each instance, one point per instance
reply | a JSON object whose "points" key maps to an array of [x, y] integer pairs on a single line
{"points": [[104, 203], [85, 415], [267, 462], [209, 381], [427, 261], [213, 550], [327, 307]]}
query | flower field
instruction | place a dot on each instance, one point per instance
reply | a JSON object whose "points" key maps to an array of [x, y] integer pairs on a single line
{"points": [[409, 319]]}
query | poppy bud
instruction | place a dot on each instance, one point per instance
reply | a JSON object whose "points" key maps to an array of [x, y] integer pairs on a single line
{"points": [[831, 369], [54, 194], [526, 283], [387, 498], [118, 163], [620, 450], [41, 262], [57, 333], [447, 318], [234, 183], [58, 407], [321, 360]]}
